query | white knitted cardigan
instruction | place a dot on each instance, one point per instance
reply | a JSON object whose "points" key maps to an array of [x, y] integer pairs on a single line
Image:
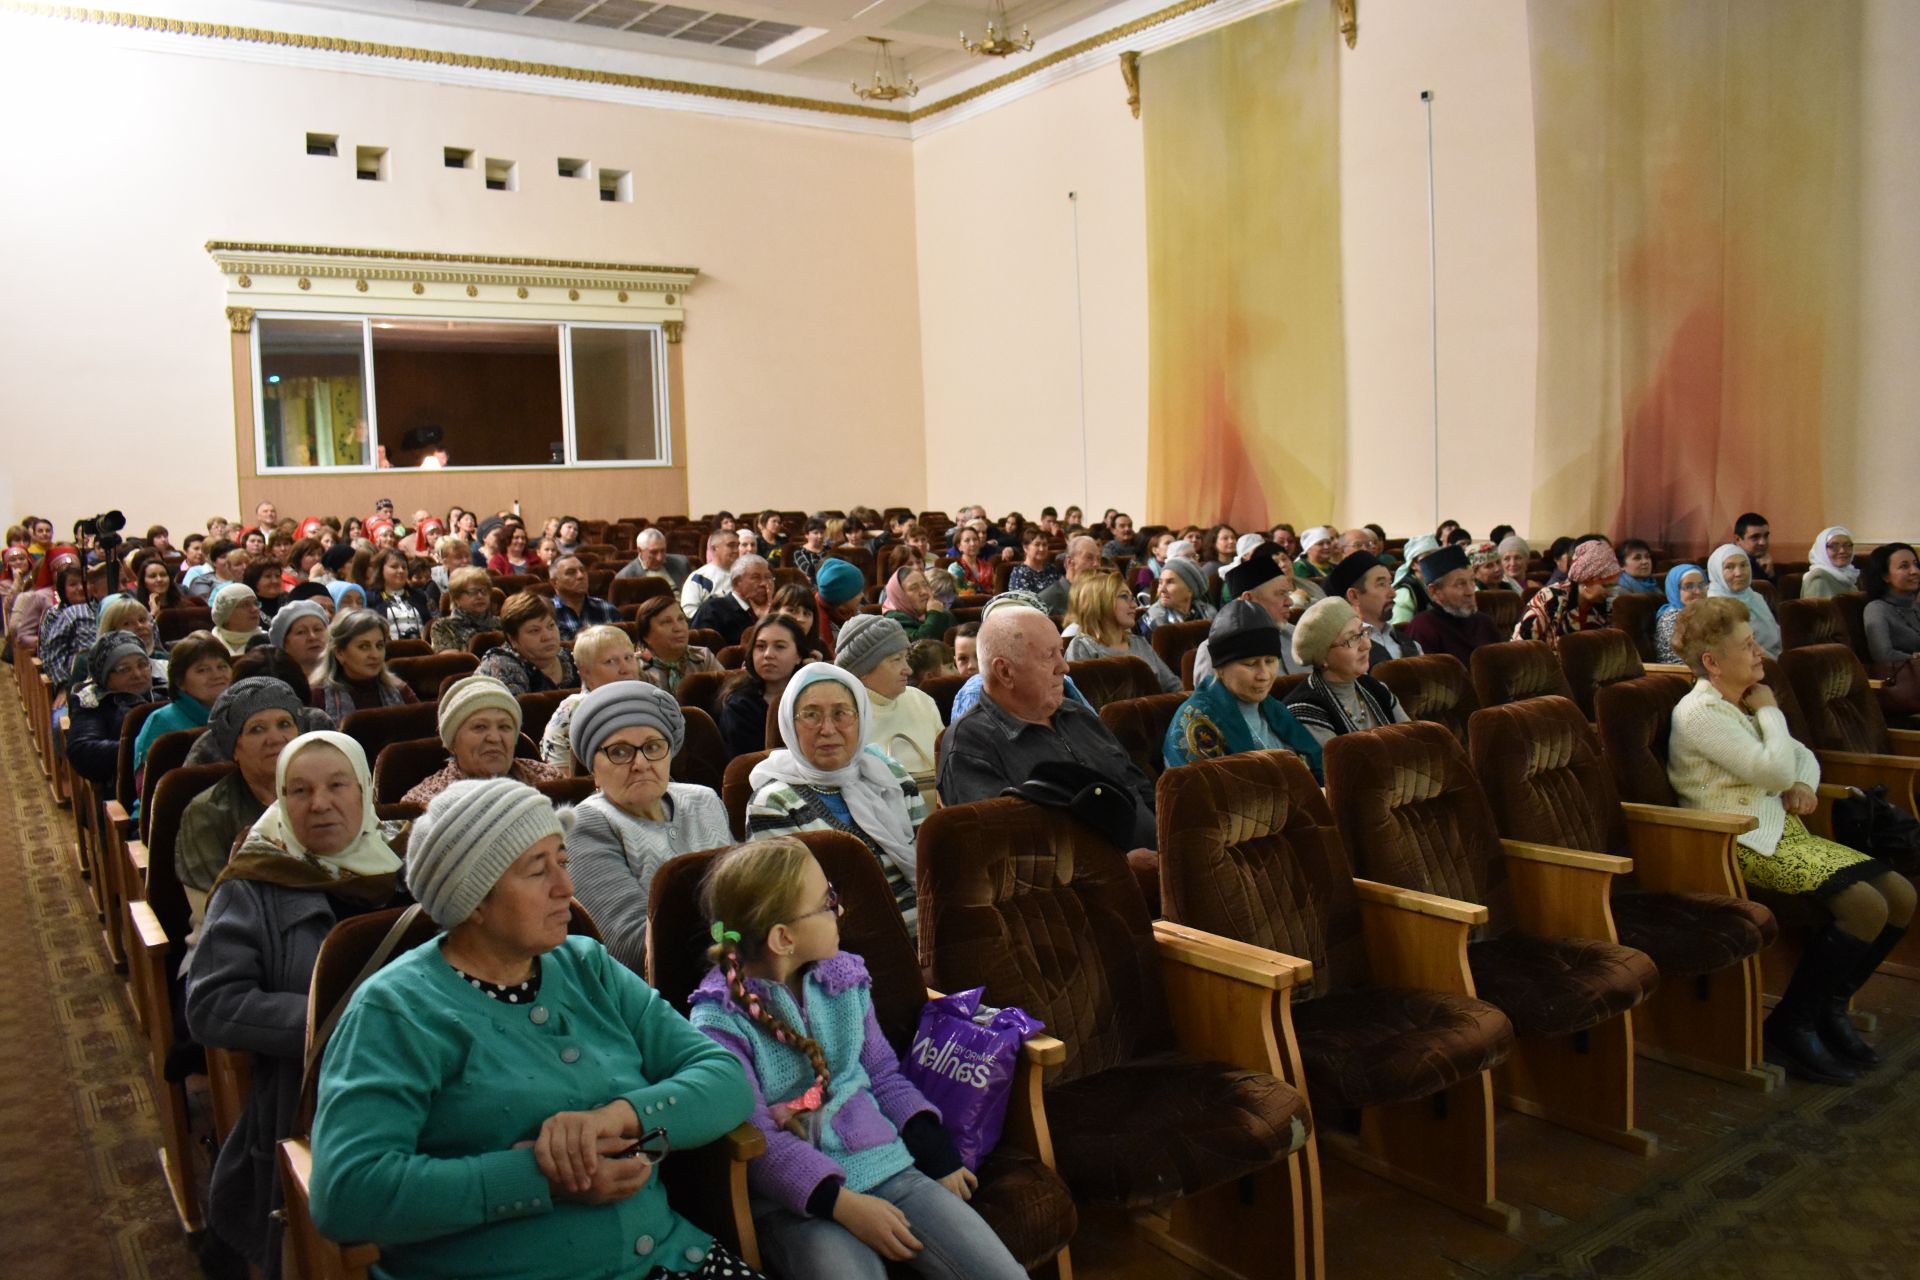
{"points": [[1719, 759]]}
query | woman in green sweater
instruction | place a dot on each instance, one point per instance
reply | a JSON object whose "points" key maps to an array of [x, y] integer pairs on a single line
{"points": [[495, 1103]]}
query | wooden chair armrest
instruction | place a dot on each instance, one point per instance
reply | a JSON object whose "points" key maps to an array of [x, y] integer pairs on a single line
{"points": [[1666, 668], [1662, 815], [1426, 904], [711, 1189], [1562, 893], [229, 1083], [1870, 760], [744, 1142], [1041, 1050], [1898, 774], [150, 936], [118, 816], [1242, 962], [1578, 859], [1416, 940], [1674, 854], [319, 1258]]}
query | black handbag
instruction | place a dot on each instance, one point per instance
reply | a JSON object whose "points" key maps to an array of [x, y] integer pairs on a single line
{"points": [[1097, 801], [1869, 822]]}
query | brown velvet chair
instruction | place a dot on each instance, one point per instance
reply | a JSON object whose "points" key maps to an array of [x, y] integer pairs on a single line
{"points": [[736, 791], [1590, 659], [702, 758], [536, 709], [1171, 1093], [180, 621], [1390, 1037], [408, 649], [1540, 764], [401, 766], [1502, 605], [164, 754], [708, 1186], [1816, 621], [1634, 612], [156, 931], [1020, 1195], [637, 590], [118, 832], [1141, 726], [943, 690], [1105, 680], [1516, 669], [1433, 687], [1173, 640], [376, 727], [702, 690], [1412, 814]]}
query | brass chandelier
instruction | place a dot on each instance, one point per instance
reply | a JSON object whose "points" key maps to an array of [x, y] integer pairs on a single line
{"points": [[885, 87], [999, 41]]}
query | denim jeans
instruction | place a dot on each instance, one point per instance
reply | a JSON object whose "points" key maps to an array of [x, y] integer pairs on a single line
{"points": [[958, 1243]]}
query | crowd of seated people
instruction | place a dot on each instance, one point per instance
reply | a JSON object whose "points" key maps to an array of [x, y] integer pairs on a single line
{"points": [[818, 639]]}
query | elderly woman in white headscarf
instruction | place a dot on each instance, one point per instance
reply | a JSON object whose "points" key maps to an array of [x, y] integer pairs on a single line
{"points": [[829, 779], [1730, 574], [315, 857], [1830, 567]]}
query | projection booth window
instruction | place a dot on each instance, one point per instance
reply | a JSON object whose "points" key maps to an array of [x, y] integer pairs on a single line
{"points": [[405, 391]]}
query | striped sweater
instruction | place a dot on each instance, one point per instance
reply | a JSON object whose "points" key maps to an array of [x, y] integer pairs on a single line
{"points": [[779, 809]]}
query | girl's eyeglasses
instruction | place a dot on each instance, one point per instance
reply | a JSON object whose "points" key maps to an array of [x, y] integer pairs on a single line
{"points": [[833, 905]]}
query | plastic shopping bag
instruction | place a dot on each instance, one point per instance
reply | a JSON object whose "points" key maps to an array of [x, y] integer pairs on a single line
{"points": [[963, 1058]]}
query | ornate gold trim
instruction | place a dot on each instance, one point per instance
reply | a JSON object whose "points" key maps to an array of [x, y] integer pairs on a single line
{"points": [[1348, 14], [410, 255], [1130, 72], [675, 329], [589, 75], [416, 270], [240, 319]]}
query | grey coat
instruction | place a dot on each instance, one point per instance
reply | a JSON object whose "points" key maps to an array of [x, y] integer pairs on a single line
{"points": [[677, 567], [247, 990]]}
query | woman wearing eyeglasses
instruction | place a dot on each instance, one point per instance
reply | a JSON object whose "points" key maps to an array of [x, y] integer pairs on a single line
{"points": [[1339, 697], [828, 778], [497, 1101], [626, 734]]}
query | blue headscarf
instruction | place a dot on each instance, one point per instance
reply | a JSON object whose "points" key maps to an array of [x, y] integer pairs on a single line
{"points": [[338, 591], [1675, 576]]}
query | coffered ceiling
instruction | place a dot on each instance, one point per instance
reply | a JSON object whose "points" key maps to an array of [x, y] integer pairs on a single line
{"points": [[828, 41]]}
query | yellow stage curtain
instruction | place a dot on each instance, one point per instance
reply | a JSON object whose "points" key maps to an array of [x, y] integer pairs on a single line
{"points": [[1698, 263], [1247, 379]]}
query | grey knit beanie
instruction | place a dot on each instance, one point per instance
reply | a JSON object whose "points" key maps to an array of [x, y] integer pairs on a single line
{"points": [[110, 649], [468, 695], [229, 598], [241, 701], [866, 640], [1319, 627], [1194, 576], [468, 837], [291, 613], [624, 704]]}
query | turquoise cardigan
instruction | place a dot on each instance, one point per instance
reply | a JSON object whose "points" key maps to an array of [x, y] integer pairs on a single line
{"points": [[428, 1085], [184, 712]]}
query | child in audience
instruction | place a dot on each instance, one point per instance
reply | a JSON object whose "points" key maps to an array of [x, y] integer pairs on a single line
{"points": [[858, 1171], [929, 660]]}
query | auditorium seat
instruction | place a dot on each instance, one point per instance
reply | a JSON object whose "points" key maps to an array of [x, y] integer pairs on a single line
{"points": [[1248, 850], [1141, 725], [1105, 680], [1591, 659], [482, 641], [1432, 687], [736, 792], [1502, 605], [1815, 621], [1172, 640], [180, 621], [636, 591], [1540, 764], [702, 758], [407, 649], [1412, 814], [1161, 1101], [164, 754], [943, 690], [425, 675], [374, 727], [1020, 1195], [1516, 669], [1635, 612], [536, 709]]}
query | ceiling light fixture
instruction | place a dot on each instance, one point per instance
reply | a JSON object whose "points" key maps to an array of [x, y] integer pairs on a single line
{"points": [[999, 41], [885, 87]]}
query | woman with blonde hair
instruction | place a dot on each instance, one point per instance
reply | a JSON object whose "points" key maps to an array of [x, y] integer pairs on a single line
{"points": [[1102, 613], [466, 611]]}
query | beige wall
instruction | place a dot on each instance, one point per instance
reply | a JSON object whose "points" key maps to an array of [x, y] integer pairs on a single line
{"points": [[802, 335], [999, 337]]}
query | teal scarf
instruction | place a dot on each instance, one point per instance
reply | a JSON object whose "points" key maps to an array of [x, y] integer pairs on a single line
{"points": [[1209, 725]]}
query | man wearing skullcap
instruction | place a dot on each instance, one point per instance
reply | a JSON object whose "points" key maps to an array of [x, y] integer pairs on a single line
{"points": [[1449, 623]]}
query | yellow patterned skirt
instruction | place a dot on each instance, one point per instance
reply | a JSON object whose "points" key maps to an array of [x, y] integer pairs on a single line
{"points": [[1805, 863]]}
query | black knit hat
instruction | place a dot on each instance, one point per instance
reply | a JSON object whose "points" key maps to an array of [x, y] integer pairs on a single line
{"points": [[1443, 562], [1262, 565], [1242, 629], [337, 557], [1347, 574]]}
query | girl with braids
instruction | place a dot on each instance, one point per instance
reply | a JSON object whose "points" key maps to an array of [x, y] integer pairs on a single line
{"points": [[858, 1171]]}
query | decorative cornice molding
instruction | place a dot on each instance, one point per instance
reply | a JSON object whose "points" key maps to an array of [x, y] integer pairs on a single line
{"points": [[245, 260], [722, 95]]}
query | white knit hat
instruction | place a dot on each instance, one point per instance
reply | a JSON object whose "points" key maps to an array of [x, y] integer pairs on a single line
{"points": [[1318, 628], [228, 598], [468, 695], [468, 837]]}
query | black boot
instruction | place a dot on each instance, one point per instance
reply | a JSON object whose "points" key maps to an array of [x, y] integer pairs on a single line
{"points": [[1836, 1028], [1792, 1031]]}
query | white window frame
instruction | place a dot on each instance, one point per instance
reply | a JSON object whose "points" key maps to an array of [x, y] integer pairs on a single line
{"points": [[662, 395]]}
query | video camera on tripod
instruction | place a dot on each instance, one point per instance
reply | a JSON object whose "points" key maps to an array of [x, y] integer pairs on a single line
{"points": [[104, 529]]}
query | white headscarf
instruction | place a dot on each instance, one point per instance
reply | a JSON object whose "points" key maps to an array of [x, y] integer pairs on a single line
{"points": [[1819, 558], [869, 787], [1765, 629], [366, 854]]}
